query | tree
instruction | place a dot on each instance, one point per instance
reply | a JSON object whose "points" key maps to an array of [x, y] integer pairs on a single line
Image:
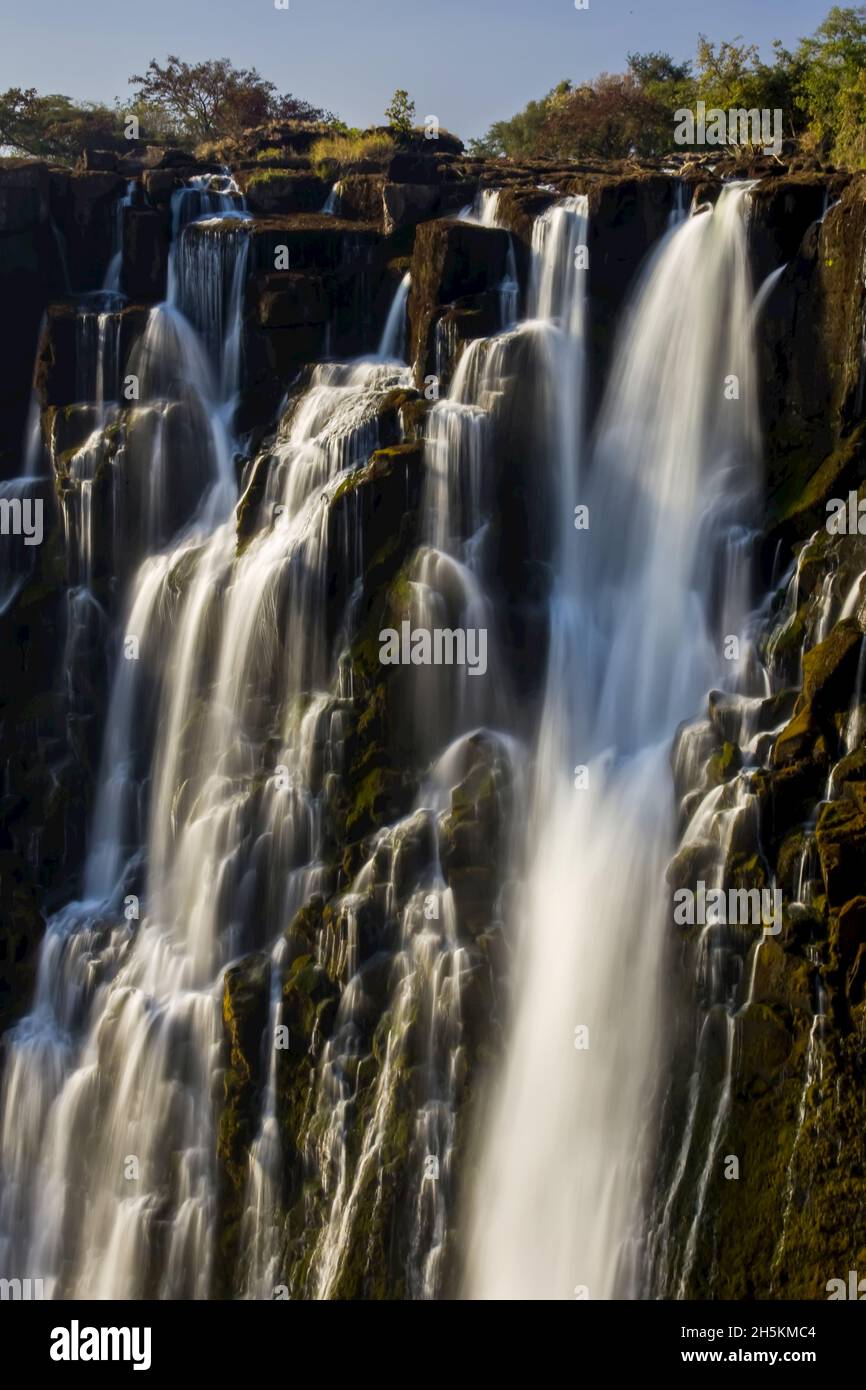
{"points": [[830, 79], [611, 117], [523, 136], [204, 101], [647, 69], [54, 127], [401, 113]]}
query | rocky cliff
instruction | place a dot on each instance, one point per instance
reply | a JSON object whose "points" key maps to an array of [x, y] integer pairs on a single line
{"points": [[319, 286]]}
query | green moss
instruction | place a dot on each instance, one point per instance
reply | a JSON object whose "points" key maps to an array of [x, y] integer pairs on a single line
{"points": [[373, 802], [803, 490], [263, 178], [724, 764]]}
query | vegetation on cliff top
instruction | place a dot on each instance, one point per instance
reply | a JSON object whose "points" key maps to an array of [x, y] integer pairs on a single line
{"points": [[820, 87], [174, 102]]}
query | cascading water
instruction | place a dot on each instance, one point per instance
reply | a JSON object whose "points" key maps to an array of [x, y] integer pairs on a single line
{"points": [[562, 1179], [226, 739], [112, 1001], [393, 344]]}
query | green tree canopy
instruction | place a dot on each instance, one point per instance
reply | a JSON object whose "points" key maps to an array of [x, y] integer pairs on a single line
{"points": [[204, 101]]}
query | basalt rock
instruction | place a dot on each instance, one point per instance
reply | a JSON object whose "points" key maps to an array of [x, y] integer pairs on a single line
{"points": [[144, 273], [782, 211], [245, 1015], [811, 342], [84, 209], [361, 198], [277, 190], [451, 261], [24, 195], [627, 216], [31, 274]]}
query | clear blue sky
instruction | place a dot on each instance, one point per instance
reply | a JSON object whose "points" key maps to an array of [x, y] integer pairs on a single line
{"points": [[469, 62]]}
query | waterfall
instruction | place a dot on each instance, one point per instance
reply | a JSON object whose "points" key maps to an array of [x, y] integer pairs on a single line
{"points": [[667, 481], [115, 265], [393, 343], [231, 628], [331, 205], [485, 211]]}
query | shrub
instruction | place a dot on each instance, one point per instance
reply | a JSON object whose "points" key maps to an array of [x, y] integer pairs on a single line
{"points": [[336, 154]]}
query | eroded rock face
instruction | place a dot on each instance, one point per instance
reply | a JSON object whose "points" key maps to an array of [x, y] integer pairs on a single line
{"points": [[278, 190], [793, 1217], [811, 345], [452, 261]]}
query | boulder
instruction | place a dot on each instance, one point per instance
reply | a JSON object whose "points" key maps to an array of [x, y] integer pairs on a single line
{"points": [[361, 197], [105, 161], [407, 204], [277, 190]]}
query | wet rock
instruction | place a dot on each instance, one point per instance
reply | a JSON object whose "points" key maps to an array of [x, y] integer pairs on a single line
{"points": [[159, 185], [627, 216], [287, 301], [371, 504], [766, 1045], [724, 764], [56, 372], [312, 242], [245, 1014], [309, 1003], [782, 210], [841, 839], [84, 208], [471, 836], [810, 346], [829, 671], [451, 260], [851, 931], [144, 272]]}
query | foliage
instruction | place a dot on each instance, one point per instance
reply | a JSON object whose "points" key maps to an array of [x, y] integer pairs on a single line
{"points": [[830, 77], [174, 102], [54, 127], [523, 136], [401, 113], [820, 89], [206, 100], [335, 154]]}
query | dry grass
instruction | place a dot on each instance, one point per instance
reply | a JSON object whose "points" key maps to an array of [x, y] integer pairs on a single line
{"points": [[335, 154]]}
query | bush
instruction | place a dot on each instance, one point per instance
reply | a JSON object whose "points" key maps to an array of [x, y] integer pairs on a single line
{"points": [[260, 177], [401, 113], [336, 154]]}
